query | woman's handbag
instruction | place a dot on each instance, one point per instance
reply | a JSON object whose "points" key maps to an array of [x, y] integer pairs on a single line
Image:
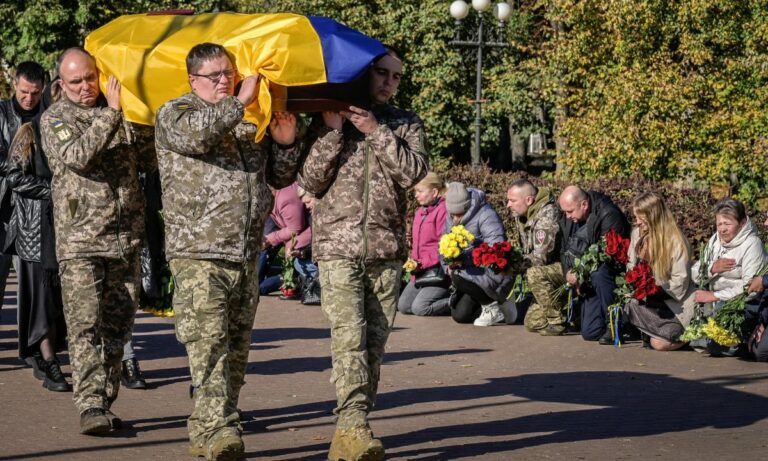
{"points": [[432, 277]]}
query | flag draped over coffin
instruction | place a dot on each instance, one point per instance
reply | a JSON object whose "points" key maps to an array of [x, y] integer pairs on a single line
{"points": [[147, 53]]}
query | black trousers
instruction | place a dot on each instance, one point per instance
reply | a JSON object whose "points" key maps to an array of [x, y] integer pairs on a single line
{"points": [[470, 299]]}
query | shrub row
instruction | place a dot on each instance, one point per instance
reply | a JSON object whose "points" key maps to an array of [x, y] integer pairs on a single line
{"points": [[691, 207]]}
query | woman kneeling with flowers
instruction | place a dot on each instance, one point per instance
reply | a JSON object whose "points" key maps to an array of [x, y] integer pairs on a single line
{"points": [[479, 290], [664, 306]]}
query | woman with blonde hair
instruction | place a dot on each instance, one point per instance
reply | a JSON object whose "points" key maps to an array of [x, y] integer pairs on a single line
{"points": [[427, 291], [658, 240]]}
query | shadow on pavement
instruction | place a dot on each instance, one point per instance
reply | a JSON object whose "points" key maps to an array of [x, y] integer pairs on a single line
{"points": [[634, 404], [303, 364], [627, 405]]}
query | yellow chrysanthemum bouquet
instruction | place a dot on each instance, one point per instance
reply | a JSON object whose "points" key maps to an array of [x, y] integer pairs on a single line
{"points": [[454, 243]]}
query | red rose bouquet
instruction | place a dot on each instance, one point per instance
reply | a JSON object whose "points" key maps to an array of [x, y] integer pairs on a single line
{"points": [[499, 257], [640, 281], [617, 247]]}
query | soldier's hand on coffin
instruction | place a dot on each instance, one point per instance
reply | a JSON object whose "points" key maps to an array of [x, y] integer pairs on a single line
{"points": [[333, 120], [363, 120], [248, 90], [113, 93], [283, 128]]}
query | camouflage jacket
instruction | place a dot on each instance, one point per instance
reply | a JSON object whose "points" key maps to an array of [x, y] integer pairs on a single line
{"points": [[362, 182], [540, 233], [214, 177], [97, 204]]}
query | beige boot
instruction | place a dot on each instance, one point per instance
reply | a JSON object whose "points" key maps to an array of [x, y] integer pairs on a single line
{"points": [[197, 450], [355, 444], [226, 445]]}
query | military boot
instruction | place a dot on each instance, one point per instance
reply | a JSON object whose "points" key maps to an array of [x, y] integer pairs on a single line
{"points": [[355, 444], [94, 422], [225, 445], [553, 330]]}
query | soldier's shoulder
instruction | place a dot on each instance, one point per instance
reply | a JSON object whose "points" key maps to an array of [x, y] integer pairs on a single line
{"points": [[55, 122], [401, 116], [54, 111], [182, 103], [548, 213]]}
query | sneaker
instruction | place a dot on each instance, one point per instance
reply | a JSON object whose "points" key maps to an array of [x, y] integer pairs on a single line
{"points": [[54, 379], [94, 422], [131, 375], [491, 315], [37, 364], [355, 444]]}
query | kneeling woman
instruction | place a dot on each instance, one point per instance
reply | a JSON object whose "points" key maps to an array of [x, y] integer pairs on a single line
{"points": [[479, 291], [658, 240]]}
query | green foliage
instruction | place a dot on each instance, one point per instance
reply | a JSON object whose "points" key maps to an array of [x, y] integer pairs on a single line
{"points": [[667, 91]]}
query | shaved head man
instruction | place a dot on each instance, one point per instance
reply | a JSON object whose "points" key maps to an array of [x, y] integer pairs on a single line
{"points": [[587, 217], [99, 222], [575, 204]]}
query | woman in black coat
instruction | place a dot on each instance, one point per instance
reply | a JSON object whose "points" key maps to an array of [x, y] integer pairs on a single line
{"points": [[30, 235]]}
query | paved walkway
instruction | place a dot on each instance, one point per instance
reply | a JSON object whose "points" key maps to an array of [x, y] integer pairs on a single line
{"points": [[448, 392]]}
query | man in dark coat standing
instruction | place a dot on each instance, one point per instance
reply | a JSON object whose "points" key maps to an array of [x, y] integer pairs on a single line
{"points": [[28, 84]]}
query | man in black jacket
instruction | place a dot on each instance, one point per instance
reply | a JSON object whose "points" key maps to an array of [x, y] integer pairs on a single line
{"points": [[587, 217], [28, 84]]}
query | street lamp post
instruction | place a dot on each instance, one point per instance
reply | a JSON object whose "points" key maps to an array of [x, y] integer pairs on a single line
{"points": [[459, 10]]}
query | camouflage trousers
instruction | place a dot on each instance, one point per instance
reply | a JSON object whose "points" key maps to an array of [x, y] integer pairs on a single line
{"points": [[360, 302], [547, 309], [100, 300], [214, 305]]}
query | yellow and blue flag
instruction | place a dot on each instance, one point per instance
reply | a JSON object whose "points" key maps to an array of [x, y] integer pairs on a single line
{"points": [[147, 53]]}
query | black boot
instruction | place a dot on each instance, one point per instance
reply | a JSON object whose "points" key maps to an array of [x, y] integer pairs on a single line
{"points": [[131, 375], [54, 378], [310, 292], [606, 339]]}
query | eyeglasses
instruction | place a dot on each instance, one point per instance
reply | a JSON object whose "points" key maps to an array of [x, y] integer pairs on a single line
{"points": [[216, 76]]}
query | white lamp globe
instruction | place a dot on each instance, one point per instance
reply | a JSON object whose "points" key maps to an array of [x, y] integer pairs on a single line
{"points": [[481, 5], [502, 11], [459, 9]]}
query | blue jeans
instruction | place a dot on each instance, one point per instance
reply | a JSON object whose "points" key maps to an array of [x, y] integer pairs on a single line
{"points": [[306, 268], [268, 283], [594, 308]]}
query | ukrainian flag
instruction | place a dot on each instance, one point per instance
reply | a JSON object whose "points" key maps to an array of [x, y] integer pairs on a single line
{"points": [[147, 54]]}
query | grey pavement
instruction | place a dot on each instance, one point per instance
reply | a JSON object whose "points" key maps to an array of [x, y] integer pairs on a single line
{"points": [[448, 392]]}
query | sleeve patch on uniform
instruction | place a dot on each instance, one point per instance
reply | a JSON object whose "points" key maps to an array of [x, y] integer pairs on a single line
{"points": [[61, 130], [181, 106]]}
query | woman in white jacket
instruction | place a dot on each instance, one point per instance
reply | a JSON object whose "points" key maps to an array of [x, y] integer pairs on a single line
{"points": [[736, 254]]}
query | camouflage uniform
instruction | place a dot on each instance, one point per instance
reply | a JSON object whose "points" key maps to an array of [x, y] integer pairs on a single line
{"points": [[540, 240], [216, 200], [359, 241], [98, 219]]}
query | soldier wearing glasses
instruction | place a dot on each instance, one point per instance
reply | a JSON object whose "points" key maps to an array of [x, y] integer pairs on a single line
{"points": [[216, 198]]}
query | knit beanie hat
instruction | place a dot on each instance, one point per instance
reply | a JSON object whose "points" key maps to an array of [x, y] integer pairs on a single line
{"points": [[457, 198]]}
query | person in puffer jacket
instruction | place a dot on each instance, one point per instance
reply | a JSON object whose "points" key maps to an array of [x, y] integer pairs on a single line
{"points": [[360, 167], [428, 223], [737, 254], [479, 290]]}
